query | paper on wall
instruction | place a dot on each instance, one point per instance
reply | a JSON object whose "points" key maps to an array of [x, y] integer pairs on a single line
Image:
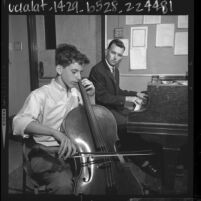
{"points": [[183, 21], [181, 43], [134, 19], [139, 36], [164, 35], [152, 19], [138, 58]]}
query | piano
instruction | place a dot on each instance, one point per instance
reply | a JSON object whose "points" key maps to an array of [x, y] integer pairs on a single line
{"points": [[164, 121]]}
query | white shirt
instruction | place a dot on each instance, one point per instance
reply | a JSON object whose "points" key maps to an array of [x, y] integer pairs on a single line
{"points": [[49, 106]]}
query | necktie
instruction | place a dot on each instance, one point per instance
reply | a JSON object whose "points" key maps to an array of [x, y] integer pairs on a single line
{"points": [[113, 72]]}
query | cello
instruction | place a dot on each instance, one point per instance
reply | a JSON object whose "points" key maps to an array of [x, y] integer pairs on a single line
{"points": [[93, 129]]}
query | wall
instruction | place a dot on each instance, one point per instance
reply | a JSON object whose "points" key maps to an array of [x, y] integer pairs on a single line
{"points": [[19, 78], [159, 60], [83, 31]]}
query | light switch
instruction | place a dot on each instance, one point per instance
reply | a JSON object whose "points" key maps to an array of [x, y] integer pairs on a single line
{"points": [[18, 45]]}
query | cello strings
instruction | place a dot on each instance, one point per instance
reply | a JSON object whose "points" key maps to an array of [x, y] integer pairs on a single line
{"points": [[108, 172], [99, 141], [95, 127]]}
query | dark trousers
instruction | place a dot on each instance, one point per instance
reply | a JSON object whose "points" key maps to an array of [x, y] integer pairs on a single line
{"points": [[47, 169]]}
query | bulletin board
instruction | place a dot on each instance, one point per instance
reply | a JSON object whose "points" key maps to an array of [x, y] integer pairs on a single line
{"points": [[161, 59]]}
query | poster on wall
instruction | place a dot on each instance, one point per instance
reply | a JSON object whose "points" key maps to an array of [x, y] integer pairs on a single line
{"points": [[133, 19], [182, 21], [165, 35], [138, 48], [139, 37], [152, 19], [181, 43], [138, 58]]}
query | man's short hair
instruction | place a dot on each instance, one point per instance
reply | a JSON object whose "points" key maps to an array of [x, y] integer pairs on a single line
{"points": [[67, 54], [117, 42]]}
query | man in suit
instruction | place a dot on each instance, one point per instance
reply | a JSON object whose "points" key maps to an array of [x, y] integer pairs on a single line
{"points": [[105, 77]]}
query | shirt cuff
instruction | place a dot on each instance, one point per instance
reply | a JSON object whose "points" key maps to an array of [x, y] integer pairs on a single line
{"points": [[20, 124]]}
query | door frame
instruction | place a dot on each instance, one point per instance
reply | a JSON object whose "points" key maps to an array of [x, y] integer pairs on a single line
{"points": [[33, 52]]}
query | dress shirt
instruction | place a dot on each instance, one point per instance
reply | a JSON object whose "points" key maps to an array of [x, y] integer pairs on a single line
{"points": [[49, 106]]}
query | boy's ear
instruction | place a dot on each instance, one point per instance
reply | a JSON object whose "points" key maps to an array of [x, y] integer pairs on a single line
{"points": [[59, 69]]}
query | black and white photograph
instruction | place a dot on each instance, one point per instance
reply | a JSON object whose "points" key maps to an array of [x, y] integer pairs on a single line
{"points": [[97, 104]]}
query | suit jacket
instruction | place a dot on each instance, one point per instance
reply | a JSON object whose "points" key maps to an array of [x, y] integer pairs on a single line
{"points": [[107, 88]]}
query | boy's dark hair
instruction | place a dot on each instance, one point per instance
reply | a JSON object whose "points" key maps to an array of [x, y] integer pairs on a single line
{"points": [[67, 54], [117, 42]]}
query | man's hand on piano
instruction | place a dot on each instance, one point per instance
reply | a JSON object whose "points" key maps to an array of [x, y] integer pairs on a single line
{"points": [[142, 95], [137, 102], [134, 100]]}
